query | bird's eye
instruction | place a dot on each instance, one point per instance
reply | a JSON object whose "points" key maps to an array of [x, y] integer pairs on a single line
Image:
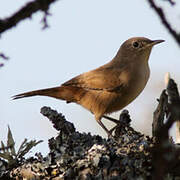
{"points": [[135, 44]]}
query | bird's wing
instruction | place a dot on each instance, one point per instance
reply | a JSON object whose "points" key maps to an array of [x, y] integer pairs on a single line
{"points": [[103, 78]]}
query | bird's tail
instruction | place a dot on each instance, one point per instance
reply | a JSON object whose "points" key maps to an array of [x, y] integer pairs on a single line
{"points": [[52, 92], [69, 94]]}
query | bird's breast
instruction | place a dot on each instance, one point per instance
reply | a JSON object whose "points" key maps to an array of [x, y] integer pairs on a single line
{"points": [[133, 84], [137, 80]]}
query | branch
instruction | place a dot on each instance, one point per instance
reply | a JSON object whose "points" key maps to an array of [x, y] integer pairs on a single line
{"points": [[26, 12], [58, 120], [4, 57], [171, 2], [74, 155], [159, 113], [164, 20], [169, 106]]}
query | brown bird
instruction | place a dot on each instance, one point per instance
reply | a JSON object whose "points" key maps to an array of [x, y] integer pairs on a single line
{"points": [[110, 87]]}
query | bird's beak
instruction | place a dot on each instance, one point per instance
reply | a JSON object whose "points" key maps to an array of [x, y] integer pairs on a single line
{"points": [[154, 42]]}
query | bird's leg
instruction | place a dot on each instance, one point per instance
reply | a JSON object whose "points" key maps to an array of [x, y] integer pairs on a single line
{"points": [[111, 130], [98, 119], [111, 119]]}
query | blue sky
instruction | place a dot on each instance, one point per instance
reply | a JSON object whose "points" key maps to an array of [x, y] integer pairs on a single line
{"points": [[83, 35]]}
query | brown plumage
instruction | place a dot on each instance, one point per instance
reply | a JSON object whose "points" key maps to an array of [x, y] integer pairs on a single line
{"points": [[110, 87]]}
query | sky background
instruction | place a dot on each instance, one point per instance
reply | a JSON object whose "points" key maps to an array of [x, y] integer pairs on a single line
{"points": [[83, 35]]}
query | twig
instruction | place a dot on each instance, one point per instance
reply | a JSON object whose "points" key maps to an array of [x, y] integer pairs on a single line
{"points": [[171, 2], [44, 20], [164, 20], [4, 56], [26, 12]]}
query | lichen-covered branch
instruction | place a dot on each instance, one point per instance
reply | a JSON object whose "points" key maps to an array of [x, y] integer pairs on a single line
{"points": [[128, 155], [165, 152], [159, 113], [74, 155]]}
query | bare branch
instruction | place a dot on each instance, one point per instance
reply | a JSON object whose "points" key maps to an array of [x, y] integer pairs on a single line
{"points": [[4, 56], [164, 20], [26, 12], [44, 20], [171, 2]]}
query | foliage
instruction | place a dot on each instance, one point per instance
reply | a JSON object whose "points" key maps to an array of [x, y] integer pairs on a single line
{"points": [[8, 152]]}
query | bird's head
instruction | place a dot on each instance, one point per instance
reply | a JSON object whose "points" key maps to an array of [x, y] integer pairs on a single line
{"points": [[137, 48]]}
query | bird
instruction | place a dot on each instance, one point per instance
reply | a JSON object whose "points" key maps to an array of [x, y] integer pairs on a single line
{"points": [[110, 87]]}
